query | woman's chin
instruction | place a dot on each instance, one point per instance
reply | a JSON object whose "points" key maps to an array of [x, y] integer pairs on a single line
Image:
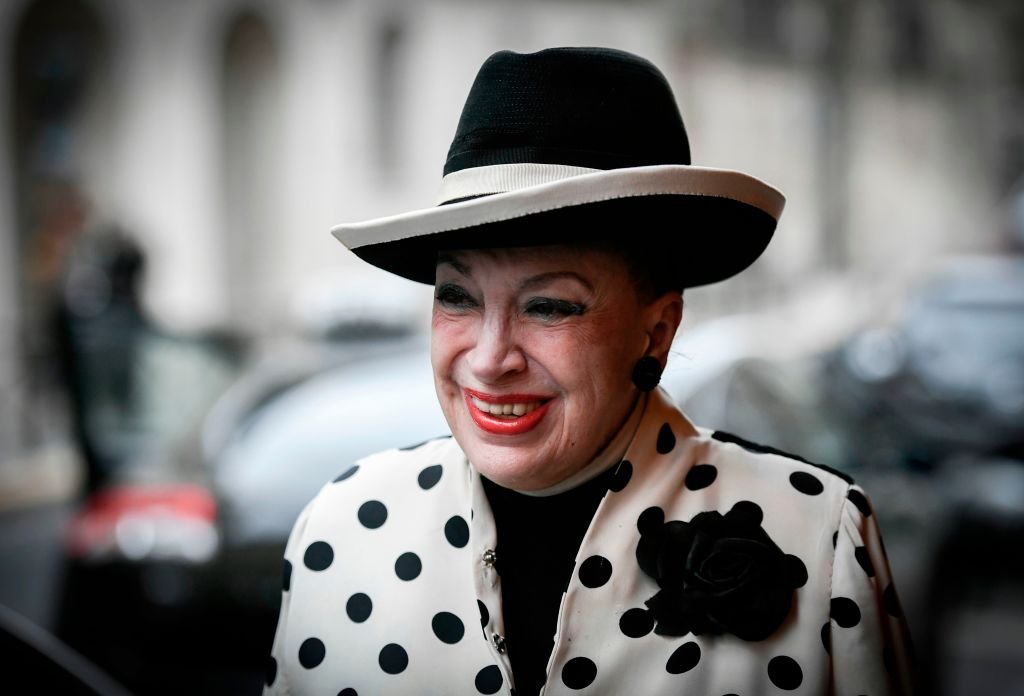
{"points": [[512, 459], [500, 463], [519, 468]]}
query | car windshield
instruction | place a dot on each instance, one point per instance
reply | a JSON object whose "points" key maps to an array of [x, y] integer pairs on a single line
{"points": [[966, 332]]}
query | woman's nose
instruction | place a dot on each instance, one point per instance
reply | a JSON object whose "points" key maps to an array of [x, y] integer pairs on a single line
{"points": [[496, 353]]}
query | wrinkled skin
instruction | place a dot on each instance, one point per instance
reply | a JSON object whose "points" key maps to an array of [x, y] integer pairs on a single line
{"points": [[564, 324]]}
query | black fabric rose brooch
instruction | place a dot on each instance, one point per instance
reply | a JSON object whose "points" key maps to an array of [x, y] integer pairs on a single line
{"points": [[717, 573]]}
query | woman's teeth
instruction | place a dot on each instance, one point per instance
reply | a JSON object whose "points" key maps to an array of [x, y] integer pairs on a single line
{"points": [[512, 410]]}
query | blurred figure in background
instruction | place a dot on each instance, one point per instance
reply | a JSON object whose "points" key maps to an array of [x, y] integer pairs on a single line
{"points": [[99, 325]]}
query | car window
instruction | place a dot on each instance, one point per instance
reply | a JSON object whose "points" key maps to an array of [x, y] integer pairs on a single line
{"points": [[306, 436]]}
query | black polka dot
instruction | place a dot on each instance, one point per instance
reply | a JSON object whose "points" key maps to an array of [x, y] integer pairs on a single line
{"points": [[595, 571], [270, 673], [393, 659], [456, 531], [808, 484], [372, 514], [347, 473], [359, 607], [835, 538], [311, 652], [785, 673], [826, 636], [666, 439], [858, 499], [650, 519], [748, 511], [429, 477], [286, 575], [797, 570], [620, 478], [861, 554], [408, 566], [319, 555], [685, 658], [636, 623], [845, 612], [489, 680], [701, 476], [348, 692], [485, 615], [579, 673], [448, 627], [890, 602]]}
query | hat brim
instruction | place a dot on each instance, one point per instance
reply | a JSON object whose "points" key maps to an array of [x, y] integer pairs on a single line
{"points": [[714, 222]]}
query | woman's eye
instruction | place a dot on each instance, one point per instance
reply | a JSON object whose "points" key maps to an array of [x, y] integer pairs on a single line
{"points": [[547, 308], [454, 296]]}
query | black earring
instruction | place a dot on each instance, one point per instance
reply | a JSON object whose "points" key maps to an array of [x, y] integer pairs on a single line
{"points": [[647, 373]]}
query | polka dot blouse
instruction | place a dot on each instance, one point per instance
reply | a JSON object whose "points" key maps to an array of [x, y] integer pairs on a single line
{"points": [[390, 582]]}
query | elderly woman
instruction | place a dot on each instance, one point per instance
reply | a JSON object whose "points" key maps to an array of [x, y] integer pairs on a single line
{"points": [[603, 542]]}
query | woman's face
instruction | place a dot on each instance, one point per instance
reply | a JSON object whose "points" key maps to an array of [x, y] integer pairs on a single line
{"points": [[547, 337]]}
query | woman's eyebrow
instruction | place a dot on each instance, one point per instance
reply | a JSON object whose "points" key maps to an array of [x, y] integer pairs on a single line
{"points": [[449, 259], [543, 278]]}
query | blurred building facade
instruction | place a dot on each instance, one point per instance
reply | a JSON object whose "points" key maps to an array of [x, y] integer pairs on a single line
{"points": [[229, 136]]}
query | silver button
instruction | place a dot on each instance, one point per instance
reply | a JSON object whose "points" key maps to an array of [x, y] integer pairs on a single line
{"points": [[499, 643], [490, 557]]}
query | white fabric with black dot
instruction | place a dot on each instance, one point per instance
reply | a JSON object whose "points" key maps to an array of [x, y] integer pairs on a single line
{"points": [[390, 585]]}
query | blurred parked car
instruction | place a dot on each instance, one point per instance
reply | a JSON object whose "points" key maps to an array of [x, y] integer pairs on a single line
{"points": [[174, 573], [949, 378], [741, 374]]}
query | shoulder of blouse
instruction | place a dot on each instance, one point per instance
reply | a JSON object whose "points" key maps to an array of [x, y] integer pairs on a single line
{"points": [[823, 495], [754, 447], [422, 461]]}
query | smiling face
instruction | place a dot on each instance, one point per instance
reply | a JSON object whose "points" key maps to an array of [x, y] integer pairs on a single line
{"points": [[532, 351]]}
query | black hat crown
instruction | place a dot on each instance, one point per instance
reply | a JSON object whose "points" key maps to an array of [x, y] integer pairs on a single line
{"points": [[587, 107], [576, 146]]}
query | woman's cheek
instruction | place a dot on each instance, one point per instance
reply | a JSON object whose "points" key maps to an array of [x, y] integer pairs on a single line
{"points": [[450, 335], [564, 344], [559, 354]]}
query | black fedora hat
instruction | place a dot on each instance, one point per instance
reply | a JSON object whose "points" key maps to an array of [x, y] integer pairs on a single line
{"points": [[571, 145]]}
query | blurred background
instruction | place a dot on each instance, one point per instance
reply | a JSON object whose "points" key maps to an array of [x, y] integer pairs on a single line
{"points": [[186, 355]]}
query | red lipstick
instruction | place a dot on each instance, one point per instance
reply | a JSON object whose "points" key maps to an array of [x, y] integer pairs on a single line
{"points": [[505, 426]]}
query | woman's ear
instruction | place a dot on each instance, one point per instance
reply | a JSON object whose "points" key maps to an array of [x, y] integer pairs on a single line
{"points": [[663, 317]]}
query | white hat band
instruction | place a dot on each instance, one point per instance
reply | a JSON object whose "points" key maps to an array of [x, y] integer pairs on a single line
{"points": [[501, 178]]}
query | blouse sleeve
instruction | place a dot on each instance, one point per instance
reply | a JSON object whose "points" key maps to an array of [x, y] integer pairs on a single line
{"points": [[276, 680], [867, 633]]}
